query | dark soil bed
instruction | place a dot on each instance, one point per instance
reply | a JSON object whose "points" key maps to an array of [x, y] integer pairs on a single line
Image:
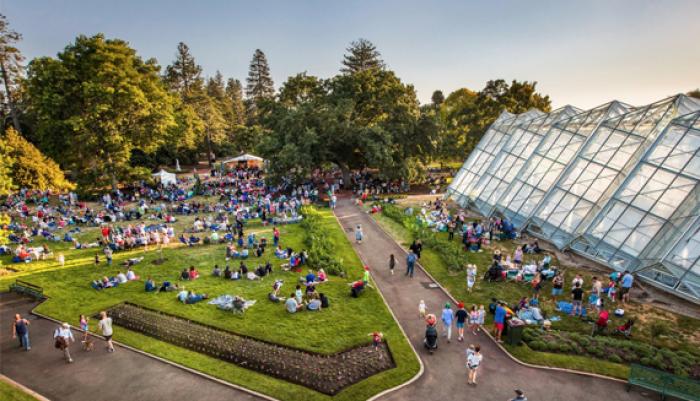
{"points": [[327, 374]]}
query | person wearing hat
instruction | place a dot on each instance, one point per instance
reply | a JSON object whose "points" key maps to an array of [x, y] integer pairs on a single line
{"points": [[365, 276], [447, 321], [64, 337], [519, 396]]}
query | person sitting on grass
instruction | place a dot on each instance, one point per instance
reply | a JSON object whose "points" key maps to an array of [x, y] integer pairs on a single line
{"points": [[96, 284], [216, 272], [356, 288], [292, 305], [109, 282], [121, 277], [280, 253], [272, 296], [168, 286], [324, 300], [310, 277], [130, 275], [227, 272], [322, 276], [259, 251], [182, 295], [185, 275], [194, 274], [214, 237], [315, 303], [150, 285], [193, 298], [245, 253]]}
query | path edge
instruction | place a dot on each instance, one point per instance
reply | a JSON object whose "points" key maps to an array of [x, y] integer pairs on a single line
{"points": [[421, 369], [166, 361], [22, 387], [573, 371]]}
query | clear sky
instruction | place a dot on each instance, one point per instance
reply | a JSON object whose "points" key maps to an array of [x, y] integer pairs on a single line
{"points": [[582, 53]]}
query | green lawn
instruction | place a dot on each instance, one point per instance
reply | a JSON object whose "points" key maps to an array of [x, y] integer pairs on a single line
{"points": [[684, 335], [345, 324], [9, 392]]}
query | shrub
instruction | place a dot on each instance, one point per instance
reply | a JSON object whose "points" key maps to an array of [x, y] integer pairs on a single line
{"points": [[614, 358], [538, 345], [320, 252]]}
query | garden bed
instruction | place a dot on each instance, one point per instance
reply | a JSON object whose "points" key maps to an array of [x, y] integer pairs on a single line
{"points": [[327, 374], [617, 350]]}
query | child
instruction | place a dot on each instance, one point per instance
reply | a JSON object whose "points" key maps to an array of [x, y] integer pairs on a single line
{"points": [[358, 234], [611, 291], [298, 295], [421, 308], [473, 319], [88, 345], [481, 318], [97, 259], [61, 259], [392, 263], [376, 339]]}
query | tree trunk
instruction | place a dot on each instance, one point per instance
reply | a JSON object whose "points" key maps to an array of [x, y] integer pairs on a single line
{"points": [[10, 101], [113, 174], [211, 165]]}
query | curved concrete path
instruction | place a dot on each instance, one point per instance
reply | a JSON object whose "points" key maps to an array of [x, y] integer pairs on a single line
{"points": [[96, 375], [445, 376]]}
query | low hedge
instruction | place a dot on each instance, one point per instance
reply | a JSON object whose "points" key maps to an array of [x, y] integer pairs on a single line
{"points": [[615, 350], [321, 254]]}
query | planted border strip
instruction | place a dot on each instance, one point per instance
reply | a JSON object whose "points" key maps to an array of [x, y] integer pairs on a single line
{"points": [[327, 374]]}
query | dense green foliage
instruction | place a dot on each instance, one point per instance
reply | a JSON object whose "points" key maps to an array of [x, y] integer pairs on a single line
{"points": [[321, 252], [29, 168], [361, 55], [94, 104]]}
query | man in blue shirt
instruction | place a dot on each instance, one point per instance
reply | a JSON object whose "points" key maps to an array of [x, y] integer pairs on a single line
{"points": [[291, 304], [410, 263], [626, 285], [447, 321], [499, 320]]}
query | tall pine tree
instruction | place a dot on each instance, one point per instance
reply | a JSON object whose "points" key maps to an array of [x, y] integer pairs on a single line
{"points": [[10, 70], [184, 75], [259, 83], [362, 55], [216, 88], [234, 93]]}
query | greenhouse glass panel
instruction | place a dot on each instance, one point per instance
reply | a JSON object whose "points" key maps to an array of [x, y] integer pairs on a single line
{"points": [[601, 165], [549, 159], [652, 205], [492, 187]]}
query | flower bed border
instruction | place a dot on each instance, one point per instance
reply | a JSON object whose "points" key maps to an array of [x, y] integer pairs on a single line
{"points": [[330, 377]]}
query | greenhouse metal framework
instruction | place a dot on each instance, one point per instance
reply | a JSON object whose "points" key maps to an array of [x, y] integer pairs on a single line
{"points": [[617, 184]]}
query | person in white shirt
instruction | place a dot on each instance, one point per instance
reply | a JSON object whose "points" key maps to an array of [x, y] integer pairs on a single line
{"points": [[105, 325], [473, 362], [64, 337], [121, 277]]}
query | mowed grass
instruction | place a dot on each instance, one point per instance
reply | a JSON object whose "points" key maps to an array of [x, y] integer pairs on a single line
{"points": [[9, 392], [685, 329], [345, 324]]}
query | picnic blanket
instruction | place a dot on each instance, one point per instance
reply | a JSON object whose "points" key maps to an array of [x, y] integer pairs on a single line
{"points": [[232, 303]]}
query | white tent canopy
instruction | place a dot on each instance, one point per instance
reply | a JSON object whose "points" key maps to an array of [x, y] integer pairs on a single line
{"points": [[243, 158], [165, 177]]}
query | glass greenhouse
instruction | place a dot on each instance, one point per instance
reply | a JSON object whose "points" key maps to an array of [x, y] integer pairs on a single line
{"points": [[616, 184]]}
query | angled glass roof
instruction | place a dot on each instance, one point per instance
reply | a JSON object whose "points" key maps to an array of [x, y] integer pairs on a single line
{"points": [[482, 155], [655, 204], [554, 152], [680, 269], [601, 164], [521, 143]]}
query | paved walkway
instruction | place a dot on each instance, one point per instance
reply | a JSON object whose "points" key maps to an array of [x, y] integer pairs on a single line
{"points": [[445, 376], [96, 375]]}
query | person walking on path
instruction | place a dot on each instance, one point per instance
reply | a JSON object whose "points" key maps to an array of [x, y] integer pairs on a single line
{"points": [[64, 337], [473, 361], [20, 330], [358, 234], [105, 326], [471, 277], [447, 317], [392, 263], [461, 317], [519, 396], [410, 263]]}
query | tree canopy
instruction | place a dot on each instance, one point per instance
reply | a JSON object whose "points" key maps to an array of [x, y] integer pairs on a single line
{"points": [[361, 55], [94, 104], [28, 167], [11, 71]]}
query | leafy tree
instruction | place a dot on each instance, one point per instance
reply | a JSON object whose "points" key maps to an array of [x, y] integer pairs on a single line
{"points": [[184, 75], [694, 93], [31, 169], [216, 88], [438, 98], [95, 104], [299, 89], [259, 83], [6, 163], [366, 119], [10, 70], [234, 93], [361, 55]]}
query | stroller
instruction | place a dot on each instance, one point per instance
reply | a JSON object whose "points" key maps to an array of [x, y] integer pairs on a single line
{"points": [[431, 338]]}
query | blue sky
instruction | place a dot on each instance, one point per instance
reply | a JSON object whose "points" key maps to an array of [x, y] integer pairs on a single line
{"points": [[582, 53]]}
